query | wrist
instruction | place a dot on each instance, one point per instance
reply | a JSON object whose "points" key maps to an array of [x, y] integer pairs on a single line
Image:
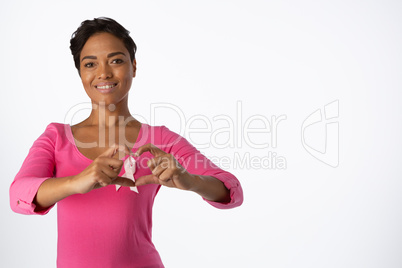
{"points": [[196, 183], [70, 186]]}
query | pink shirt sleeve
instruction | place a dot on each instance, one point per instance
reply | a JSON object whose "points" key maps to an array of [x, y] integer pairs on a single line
{"points": [[196, 163], [37, 167]]}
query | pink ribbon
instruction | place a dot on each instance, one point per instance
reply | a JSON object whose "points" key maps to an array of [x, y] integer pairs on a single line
{"points": [[129, 167]]}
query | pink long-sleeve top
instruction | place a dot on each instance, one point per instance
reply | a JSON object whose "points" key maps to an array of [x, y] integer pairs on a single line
{"points": [[105, 227]]}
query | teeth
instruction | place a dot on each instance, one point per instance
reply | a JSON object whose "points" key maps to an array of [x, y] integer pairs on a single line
{"points": [[105, 87]]}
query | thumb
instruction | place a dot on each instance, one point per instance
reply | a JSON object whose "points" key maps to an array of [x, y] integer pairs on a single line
{"points": [[147, 179], [123, 182], [114, 149], [111, 151]]}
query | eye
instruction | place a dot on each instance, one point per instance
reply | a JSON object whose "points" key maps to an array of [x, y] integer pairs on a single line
{"points": [[89, 65], [117, 61]]}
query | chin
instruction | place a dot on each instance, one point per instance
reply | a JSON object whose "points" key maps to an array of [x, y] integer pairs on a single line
{"points": [[107, 101]]}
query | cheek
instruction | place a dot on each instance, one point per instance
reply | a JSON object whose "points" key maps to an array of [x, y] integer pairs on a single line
{"points": [[86, 80], [127, 75], [129, 80]]}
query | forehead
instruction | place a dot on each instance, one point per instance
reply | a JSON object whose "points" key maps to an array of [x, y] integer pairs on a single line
{"points": [[102, 44]]}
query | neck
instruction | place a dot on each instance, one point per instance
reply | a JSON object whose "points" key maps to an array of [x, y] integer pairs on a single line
{"points": [[112, 115]]}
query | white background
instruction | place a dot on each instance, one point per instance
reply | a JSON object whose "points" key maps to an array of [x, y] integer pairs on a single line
{"points": [[276, 57]]}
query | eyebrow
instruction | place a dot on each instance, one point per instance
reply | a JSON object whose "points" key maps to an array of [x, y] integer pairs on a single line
{"points": [[109, 56]]}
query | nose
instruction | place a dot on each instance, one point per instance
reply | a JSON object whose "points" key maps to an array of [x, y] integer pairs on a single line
{"points": [[104, 72]]}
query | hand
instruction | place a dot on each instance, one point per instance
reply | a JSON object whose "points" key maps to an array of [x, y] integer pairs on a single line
{"points": [[166, 170], [103, 171]]}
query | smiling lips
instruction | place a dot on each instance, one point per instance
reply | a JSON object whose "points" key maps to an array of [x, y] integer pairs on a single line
{"points": [[105, 87]]}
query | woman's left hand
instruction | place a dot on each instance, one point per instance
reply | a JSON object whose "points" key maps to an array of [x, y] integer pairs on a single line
{"points": [[166, 170]]}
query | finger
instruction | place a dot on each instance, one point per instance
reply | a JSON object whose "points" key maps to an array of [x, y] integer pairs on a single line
{"points": [[160, 168], [108, 171], [110, 152], [122, 151], [103, 180], [157, 171], [116, 151], [123, 182], [153, 162], [147, 179], [167, 176], [149, 147], [111, 163]]}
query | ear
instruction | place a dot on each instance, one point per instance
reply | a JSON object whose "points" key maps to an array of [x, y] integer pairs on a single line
{"points": [[134, 67]]}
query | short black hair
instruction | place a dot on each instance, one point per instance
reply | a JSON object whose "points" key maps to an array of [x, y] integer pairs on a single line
{"points": [[99, 25]]}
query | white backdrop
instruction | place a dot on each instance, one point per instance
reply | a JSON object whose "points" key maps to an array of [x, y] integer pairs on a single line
{"points": [[323, 191]]}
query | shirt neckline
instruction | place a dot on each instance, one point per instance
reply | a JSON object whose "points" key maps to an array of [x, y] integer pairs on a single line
{"points": [[71, 138]]}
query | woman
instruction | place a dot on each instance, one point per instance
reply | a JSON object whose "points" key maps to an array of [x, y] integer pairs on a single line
{"points": [[82, 167]]}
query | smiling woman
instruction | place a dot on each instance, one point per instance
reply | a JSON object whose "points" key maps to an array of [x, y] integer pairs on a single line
{"points": [[82, 167], [106, 69]]}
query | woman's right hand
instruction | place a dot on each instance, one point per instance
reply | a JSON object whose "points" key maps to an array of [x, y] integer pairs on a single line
{"points": [[103, 171]]}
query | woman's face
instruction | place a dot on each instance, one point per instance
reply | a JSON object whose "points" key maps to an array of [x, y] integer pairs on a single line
{"points": [[106, 69]]}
